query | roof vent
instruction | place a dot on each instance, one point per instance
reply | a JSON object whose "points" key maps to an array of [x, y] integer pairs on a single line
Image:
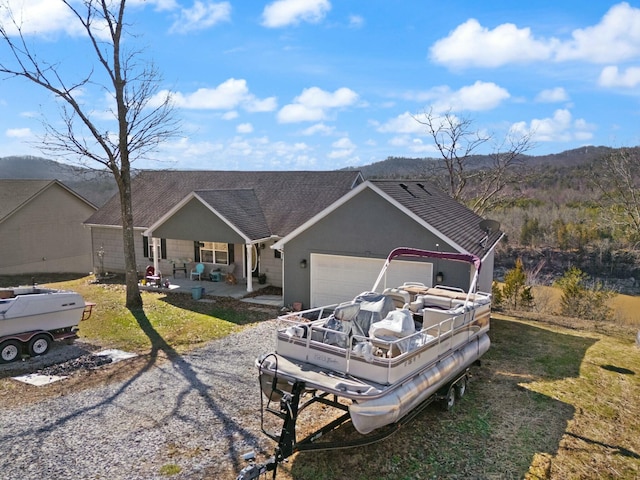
{"points": [[423, 188], [404, 186]]}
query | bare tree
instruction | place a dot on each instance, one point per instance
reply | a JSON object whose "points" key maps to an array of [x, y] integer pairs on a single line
{"points": [[480, 187], [617, 177], [132, 83]]}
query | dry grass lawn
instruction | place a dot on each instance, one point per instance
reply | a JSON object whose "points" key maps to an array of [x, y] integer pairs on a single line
{"points": [[554, 398], [548, 402]]}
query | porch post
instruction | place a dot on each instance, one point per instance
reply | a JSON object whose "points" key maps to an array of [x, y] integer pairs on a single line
{"points": [[156, 250], [249, 265]]}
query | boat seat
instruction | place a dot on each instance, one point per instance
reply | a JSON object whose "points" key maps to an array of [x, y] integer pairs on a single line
{"points": [[341, 320], [374, 307], [436, 301], [399, 296], [346, 311], [397, 325]]}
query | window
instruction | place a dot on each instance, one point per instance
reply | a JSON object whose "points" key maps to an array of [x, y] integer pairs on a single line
{"points": [[147, 246], [214, 252]]}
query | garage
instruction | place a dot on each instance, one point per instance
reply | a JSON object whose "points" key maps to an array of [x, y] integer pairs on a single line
{"points": [[339, 278]]}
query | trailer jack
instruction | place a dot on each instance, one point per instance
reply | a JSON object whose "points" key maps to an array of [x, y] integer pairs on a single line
{"points": [[289, 407]]}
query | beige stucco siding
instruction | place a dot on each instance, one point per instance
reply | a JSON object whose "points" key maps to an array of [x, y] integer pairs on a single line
{"points": [[47, 235], [109, 240]]}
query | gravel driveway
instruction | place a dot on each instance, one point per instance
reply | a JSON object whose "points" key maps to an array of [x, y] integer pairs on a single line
{"points": [[197, 411]]}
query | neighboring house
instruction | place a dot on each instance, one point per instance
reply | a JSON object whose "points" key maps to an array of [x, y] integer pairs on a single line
{"points": [[322, 236], [41, 228]]}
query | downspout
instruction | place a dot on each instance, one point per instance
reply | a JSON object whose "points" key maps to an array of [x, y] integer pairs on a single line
{"points": [[249, 261]]}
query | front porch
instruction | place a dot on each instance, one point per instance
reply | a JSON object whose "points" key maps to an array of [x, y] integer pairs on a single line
{"points": [[216, 289]]}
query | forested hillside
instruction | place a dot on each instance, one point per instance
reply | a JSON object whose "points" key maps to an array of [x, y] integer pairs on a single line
{"points": [[95, 186]]}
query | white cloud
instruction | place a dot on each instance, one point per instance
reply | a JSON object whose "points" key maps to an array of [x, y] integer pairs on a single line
{"points": [[268, 104], [559, 128], [312, 104], [552, 95], [356, 21], [159, 4], [19, 133], [230, 115], [403, 123], [611, 76], [233, 153], [39, 17], [229, 95], [318, 128], [291, 12], [344, 143], [244, 128], [472, 45], [201, 16], [615, 38], [342, 148], [477, 97], [297, 112], [411, 144]]}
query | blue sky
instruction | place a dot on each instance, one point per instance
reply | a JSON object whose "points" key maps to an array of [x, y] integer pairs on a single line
{"points": [[325, 84]]}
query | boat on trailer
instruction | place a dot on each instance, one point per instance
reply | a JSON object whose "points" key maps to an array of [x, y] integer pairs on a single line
{"points": [[31, 317], [379, 358]]}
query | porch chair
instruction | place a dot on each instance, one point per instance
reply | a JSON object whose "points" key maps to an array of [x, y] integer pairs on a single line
{"points": [[198, 271], [151, 277]]}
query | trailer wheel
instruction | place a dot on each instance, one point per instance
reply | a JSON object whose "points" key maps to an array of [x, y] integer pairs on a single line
{"points": [[10, 351], [39, 345], [450, 399], [461, 387]]}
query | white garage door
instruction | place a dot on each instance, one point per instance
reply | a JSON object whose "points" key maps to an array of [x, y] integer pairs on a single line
{"points": [[336, 278]]}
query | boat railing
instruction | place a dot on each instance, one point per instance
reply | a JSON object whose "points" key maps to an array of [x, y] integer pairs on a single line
{"points": [[379, 359]]}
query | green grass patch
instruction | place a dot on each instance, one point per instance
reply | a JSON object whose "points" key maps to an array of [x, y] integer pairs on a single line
{"points": [[173, 322], [170, 469]]}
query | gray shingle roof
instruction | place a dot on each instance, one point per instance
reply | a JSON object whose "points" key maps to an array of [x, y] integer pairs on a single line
{"points": [[241, 207], [439, 210], [16, 193], [286, 199]]}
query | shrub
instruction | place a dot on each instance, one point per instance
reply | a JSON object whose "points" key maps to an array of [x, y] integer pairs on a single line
{"points": [[497, 299], [581, 299], [516, 294]]}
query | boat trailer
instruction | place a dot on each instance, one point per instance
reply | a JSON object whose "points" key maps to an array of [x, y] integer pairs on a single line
{"points": [[290, 406]]}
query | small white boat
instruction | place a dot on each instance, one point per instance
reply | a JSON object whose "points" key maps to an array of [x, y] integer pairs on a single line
{"points": [[31, 317], [381, 356]]}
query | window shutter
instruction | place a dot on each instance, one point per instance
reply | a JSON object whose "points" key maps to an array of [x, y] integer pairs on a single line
{"points": [[145, 246], [196, 252], [163, 248], [230, 247]]}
